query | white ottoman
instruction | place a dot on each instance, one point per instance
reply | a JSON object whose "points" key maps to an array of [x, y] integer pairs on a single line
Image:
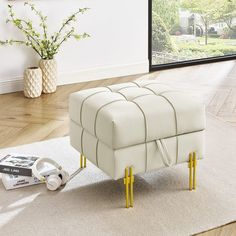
{"points": [[138, 125]]}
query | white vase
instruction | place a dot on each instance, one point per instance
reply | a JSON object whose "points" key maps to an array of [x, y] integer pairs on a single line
{"points": [[33, 82], [49, 70]]}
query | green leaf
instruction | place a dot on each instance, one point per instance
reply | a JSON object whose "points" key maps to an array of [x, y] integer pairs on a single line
{"points": [[46, 46]]}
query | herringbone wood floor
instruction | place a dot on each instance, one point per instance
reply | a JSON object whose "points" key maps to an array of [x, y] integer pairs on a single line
{"points": [[25, 120]]}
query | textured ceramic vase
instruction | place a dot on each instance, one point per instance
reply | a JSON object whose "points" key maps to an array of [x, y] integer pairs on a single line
{"points": [[33, 82], [49, 70]]}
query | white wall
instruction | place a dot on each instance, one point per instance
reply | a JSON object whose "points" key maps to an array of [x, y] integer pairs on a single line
{"points": [[118, 46]]}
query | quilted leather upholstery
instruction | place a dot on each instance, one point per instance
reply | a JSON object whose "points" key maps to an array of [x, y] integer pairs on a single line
{"points": [[109, 112], [129, 124]]}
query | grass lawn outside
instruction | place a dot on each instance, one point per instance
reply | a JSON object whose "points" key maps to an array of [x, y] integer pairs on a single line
{"points": [[195, 47], [188, 47]]}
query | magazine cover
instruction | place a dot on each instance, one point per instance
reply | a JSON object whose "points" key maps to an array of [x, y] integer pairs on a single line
{"points": [[17, 181], [17, 164]]}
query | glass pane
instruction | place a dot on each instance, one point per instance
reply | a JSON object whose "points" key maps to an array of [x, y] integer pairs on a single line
{"points": [[184, 30]]}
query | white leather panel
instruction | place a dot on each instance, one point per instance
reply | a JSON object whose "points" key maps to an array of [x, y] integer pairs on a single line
{"points": [[106, 160], [130, 156], [134, 113], [113, 162], [192, 142], [75, 135], [132, 93], [118, 87], [190, 113], [119, 124], [93, 105], [76, 100], [154, 160], [89, 143], [157, 88], [159, 115]]}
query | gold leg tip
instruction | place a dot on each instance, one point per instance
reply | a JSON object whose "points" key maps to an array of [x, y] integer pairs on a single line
{"points": [[128, 181]]}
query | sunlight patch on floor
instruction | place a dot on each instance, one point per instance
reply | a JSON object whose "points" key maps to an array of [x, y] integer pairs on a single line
{"points": [[9, 215], [24, 201]]}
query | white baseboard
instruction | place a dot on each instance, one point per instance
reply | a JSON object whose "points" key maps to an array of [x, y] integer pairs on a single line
{"points": [[103, 73], [11, 85], [16, 84]]}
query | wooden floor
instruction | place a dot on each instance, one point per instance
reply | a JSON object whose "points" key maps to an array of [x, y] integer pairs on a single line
{"points": [[25, 120]]}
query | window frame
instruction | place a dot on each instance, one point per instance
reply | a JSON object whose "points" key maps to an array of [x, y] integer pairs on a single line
{"points": [[177, 64]]}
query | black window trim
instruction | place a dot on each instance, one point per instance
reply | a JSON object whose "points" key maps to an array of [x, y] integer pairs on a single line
{"points": [[177, 64]]}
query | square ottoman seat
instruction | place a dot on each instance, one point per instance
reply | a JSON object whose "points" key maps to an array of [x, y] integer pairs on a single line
{"points": [[146, 125]]}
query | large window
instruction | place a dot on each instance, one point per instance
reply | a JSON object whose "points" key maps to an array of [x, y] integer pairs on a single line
{"points": [[191, 30]]}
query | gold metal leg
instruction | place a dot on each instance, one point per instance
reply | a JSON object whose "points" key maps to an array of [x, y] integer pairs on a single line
{"points": [[83, 161], [126, 182], [194, 170], [190, 166], [129, 187]]}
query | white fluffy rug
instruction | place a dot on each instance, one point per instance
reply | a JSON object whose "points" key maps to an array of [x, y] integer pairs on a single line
{"points": [[92, 204]]}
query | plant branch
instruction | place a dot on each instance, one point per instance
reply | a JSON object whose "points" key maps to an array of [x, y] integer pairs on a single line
{"points": [[68, 35], [12, 41], [46, 46], [17, 23], [42, 18], [68, 20]]}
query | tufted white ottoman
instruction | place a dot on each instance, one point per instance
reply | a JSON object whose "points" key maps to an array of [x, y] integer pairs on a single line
{"points": [[131, 128]]}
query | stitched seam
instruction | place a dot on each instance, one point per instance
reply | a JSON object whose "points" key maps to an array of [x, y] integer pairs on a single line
{"points": [[95, 121], [109, 88], [192, 132], [144, 95], [176, 127], [112, 132], [168, 91], [145, 120], [166, 152], [81, 141], [153, 83], [157, 94], [122, 95], [97, 152], [136, 84], [82, 104], [95, 124], [145, 126], [176, 122], [173, 136], [125, 88]]}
